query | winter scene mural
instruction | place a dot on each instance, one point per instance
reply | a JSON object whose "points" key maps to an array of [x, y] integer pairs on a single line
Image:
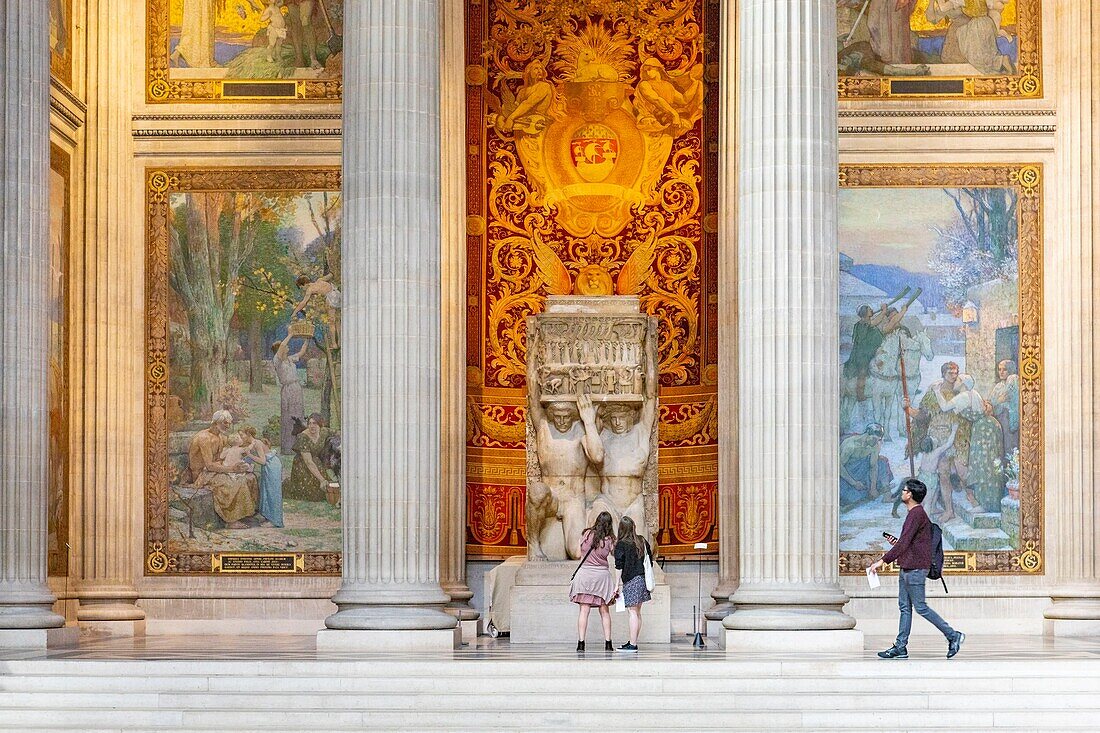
{"points": [[930, 353]]}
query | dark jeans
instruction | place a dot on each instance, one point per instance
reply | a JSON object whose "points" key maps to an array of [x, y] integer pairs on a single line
{"points": [[910, 596]]}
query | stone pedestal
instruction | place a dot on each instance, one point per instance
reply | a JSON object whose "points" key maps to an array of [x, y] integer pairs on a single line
{"points": [[542, 613], [405, 640], [58, 638]]}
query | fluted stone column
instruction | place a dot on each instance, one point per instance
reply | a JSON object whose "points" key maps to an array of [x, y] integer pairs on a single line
{"points": [[789, 594], [452, 487], [25, 600], [1071, 441], [391, 342], [110, 504], [728, 529]]}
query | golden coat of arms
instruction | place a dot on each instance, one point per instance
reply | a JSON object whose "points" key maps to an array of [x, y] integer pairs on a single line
{"points": [[596, 144]]}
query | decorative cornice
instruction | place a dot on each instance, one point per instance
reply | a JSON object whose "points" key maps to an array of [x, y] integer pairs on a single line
{"points": [[73, 120], [947, 113], [243, 116], [946, 129], [68, 94], [255, 132]]}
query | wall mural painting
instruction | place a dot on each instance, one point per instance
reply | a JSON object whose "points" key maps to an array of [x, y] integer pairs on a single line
{"points": [[58, 363], [243, 371], [939, 48], [244, 50], [941, 311], [61, 41], [592, 169]]}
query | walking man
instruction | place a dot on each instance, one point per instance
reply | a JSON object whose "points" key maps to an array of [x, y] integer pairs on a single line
{"points": [[913, 552]]}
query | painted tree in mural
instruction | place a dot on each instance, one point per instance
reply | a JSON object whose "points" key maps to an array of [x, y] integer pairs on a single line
{"points": [[263, 295], [322, 260], [212, 236], [981, 245]]}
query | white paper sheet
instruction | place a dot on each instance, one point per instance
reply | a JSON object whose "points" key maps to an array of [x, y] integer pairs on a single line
{"points": [[872, 579]]}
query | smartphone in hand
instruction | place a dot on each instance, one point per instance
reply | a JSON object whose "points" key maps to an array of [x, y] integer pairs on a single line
{"points": [[890, 538]]}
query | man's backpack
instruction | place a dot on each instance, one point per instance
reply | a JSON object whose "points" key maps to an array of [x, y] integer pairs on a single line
{"points": [[935, 571]]}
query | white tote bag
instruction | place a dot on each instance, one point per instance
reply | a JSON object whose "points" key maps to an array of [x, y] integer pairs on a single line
{"points": [[647, 564]]}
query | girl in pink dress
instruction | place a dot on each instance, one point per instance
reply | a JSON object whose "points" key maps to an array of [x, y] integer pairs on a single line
{"points": [[593, 584]]}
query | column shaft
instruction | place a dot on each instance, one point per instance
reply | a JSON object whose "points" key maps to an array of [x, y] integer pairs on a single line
{"points": [[112, 396], [787, 299], [728, 529], [1071, 435], [390, 360], [25, 600], [452, 484]]}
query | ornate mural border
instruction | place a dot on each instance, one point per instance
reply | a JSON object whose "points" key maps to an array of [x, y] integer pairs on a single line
{"points": [[161, 88], [1027, 83], [58, 564], [160, 184], [1027, 180]]}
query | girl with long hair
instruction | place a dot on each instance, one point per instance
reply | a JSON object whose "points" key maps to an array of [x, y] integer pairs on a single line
{"points": [[631, 549], [593, 584]]}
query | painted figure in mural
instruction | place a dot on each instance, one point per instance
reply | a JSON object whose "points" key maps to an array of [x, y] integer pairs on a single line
{"points": [[59, 27], [323, 288], [868, 334], [259, 453], [891, 36], [985, 480], [864, 473], [860, 57], [291, 396], [197, 30], [929, 417], [626, 438], [974, 26], [302, 18], [931, 453], [308, 481], [276, 29], [885, 376], [661, 105], [232, 484], [1005, 398], [530, 111]]}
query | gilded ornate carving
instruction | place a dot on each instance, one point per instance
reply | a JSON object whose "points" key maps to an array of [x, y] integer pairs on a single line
{"points": [[585, 140]]}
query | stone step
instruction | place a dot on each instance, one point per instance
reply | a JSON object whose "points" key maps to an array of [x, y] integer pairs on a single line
{"points": [[612, 714], [960, 536], [975, 516], [643, 701]]}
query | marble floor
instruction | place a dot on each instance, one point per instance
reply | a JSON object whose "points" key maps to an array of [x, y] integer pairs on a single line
{"points": [[259, 648]]}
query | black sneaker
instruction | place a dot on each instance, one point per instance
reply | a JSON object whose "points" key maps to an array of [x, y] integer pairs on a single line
{"points": [[580, 646], [628, 648], [954, 646], [895, 653]]}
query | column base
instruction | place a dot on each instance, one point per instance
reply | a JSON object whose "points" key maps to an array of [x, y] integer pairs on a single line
{"points": [[95, 630], [719, 611], [391, 618], [789, 607], [737, 640], [66, 636], [420, 640], [469, 630], [459, 605]]}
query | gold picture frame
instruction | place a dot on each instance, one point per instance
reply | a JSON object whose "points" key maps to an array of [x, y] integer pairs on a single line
{"points": [[1026, 179], [160, 185], [1025, 83], [162, 87]]}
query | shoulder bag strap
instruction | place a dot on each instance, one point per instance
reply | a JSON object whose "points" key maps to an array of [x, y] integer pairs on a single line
{"points": [[590, 548]]}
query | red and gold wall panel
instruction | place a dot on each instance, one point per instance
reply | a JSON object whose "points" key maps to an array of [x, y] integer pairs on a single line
{"points": [[592, 145]]}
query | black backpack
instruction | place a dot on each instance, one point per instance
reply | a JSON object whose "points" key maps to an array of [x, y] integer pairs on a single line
{"points": [[935, 571]]}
